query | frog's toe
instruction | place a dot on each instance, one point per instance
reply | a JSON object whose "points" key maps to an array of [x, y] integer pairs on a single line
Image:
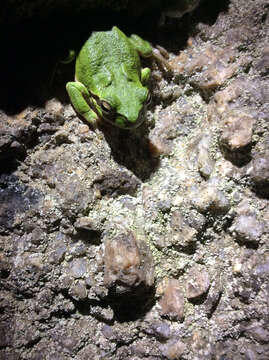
{"points": [[145, 75]]}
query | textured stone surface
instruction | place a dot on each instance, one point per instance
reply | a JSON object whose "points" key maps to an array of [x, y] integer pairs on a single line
{"points": [[127, 263], [173, 349], [237, 131], [208, 198], [93, 222], [197, 283], [247, 228], [172, 301]]}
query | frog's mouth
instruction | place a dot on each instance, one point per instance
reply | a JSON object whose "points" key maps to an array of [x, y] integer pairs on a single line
{"points": [[122, 122], [112, 117]]}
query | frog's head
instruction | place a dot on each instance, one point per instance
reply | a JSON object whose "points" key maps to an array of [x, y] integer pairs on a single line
{"points": [[125, 108]]}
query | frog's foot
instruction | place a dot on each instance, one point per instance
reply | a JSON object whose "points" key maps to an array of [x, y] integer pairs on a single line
{"points": [[161, 55], [80, 99]]}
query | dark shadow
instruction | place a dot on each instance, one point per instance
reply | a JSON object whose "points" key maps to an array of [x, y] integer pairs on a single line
{"points": [[208, 10], [129, 307], [174, 34], [131, 150], [88, 237], [32, 51], [126, 307]]}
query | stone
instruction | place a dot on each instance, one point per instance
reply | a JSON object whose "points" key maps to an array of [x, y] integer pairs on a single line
{"points": [[87, 224], [78, 291], [236, 137], [172, 300], [207, 198], [128, 263], [210, 68], [173, 349], [197, 283], [257, 331], [259, 172], [237, 131], [182, 235], [204, 161], [90, 351], [56, 256], [78, 249], [247, 228], [78, 268], [116, 182], [103, 314], [160, 138], [161, 330]]}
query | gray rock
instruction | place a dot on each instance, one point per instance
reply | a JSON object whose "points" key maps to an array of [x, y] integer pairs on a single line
{"points": [[197, 283], [247, 228]]}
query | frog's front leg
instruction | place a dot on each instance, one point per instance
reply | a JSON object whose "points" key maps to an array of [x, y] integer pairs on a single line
{"points": [[145, 50], [80, 97], [143, 47]]}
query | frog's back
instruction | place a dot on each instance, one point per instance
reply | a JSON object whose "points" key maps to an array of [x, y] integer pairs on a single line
{"points": [[106, 51]]}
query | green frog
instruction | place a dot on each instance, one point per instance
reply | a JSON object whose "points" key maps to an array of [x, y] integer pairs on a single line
{"points": [[110, 83]]}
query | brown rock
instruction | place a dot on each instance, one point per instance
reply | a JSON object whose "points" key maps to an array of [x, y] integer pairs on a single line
{"points": [[173, 349], [172, 301], [86, 223], [257, 331], [209, 68], [197, 282], [237, 130], [160, 138], [78, 290], [128, 263], [182, 234], [116, 182], [207, 198]]}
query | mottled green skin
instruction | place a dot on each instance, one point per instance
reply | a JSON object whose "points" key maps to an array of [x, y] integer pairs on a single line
{"points": [[108, 69]]}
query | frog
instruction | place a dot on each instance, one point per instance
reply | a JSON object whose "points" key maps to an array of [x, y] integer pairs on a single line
{"points": [[110, 83]]}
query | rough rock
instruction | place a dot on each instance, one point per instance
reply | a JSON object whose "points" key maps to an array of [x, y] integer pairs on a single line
{"points": [[128, 264], [247, 228], [182, 235], [173, 349], [116, 183], [204, 160], [259, 173], [236, 137], [87, 217], [210, 68], [207, 198], [197, 283], [172, 300]]}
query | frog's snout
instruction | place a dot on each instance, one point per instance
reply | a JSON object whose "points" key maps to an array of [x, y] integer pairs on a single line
{"points": [[133, 122]]}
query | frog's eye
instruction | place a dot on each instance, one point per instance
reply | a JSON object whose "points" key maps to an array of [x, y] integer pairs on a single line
{"points": [[106, 107], [148, 99]]}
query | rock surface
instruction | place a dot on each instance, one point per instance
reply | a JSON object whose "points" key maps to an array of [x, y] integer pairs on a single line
{"points": [[149, 244]]}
